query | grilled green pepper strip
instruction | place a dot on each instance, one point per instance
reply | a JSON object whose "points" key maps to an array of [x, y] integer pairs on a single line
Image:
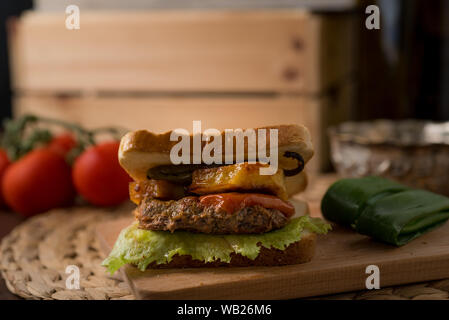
{"points": [[401, 217], [346, 198], [383, 209]]}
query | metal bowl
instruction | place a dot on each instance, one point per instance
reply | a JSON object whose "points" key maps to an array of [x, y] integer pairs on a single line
{"points": [[413, 152]]}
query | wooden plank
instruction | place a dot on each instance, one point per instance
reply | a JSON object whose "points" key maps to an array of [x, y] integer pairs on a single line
{"points": [[203, 51], [160, 114], [338, 266], [60, 5]]}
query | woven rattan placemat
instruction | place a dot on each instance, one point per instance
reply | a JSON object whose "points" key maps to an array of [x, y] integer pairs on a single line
{"points": [[34, 257]]}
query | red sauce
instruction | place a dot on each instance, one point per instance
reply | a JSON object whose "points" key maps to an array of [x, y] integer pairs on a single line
{"points": [[233, 201]]}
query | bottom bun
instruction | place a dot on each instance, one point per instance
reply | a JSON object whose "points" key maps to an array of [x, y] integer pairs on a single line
{"points": [[298, 252]]}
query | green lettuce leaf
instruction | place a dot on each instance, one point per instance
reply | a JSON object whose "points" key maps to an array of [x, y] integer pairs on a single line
{"points": [[142, 247]]}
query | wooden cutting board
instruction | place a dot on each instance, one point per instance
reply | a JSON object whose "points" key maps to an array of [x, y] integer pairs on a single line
{"points": [[339, 265]]}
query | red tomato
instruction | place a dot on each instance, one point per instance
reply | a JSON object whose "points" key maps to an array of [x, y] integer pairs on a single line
{"points": [[4, 163], [98, 176], [63, 143], [38, 182]]}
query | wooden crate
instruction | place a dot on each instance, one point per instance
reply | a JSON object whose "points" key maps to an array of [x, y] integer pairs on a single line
{"points": [[160, 70]]}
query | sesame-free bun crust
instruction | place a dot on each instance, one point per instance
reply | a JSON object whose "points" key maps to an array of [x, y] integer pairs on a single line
{"points": [[141, 150]]}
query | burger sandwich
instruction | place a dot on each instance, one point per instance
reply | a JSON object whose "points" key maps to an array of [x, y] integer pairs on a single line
{"points": [[226, 213]]}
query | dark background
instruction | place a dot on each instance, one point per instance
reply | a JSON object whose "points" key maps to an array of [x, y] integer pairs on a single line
{"points": [[8, 9], [404, 68]]}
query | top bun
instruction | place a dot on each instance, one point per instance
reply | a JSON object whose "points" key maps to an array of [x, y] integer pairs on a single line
{"points": [[141, 150]]}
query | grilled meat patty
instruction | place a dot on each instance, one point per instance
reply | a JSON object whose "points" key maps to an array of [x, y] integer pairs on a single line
{"points": [[190, 215]]}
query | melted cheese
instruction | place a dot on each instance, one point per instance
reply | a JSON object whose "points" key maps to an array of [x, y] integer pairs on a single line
{"points": [[238, 177]]}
